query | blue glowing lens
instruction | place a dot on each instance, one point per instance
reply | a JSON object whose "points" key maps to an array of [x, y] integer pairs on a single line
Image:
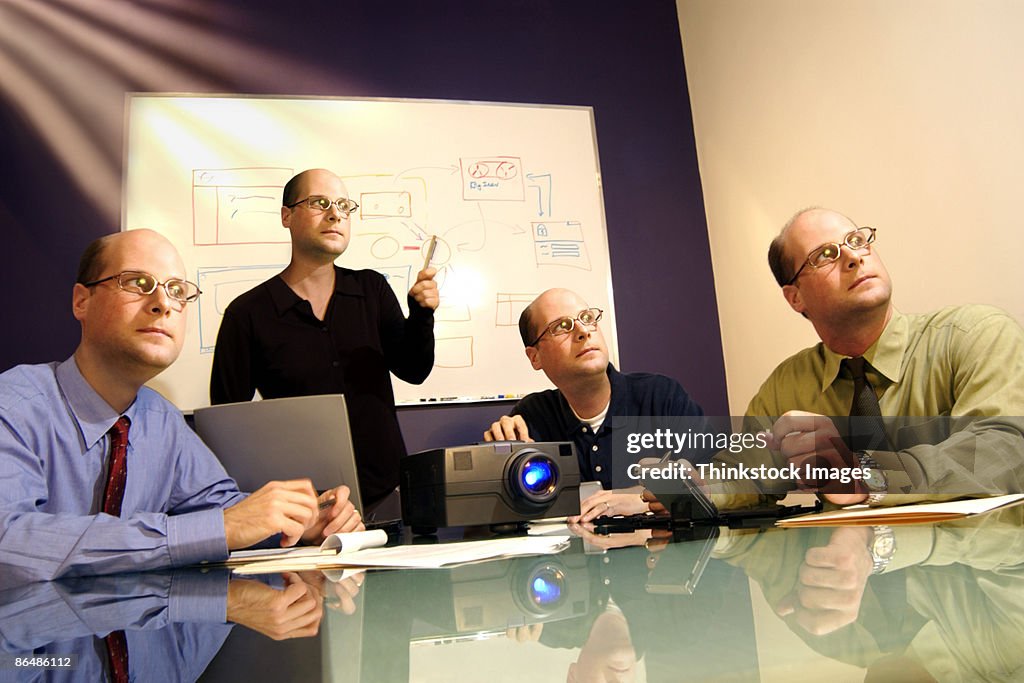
{"points": [[545, 592], [537, 475]]}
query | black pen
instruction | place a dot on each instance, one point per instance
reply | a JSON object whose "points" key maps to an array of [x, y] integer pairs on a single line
{"points": [[327, 503]]}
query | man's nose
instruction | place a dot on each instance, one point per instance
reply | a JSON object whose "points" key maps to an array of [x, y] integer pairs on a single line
{"points": [[162, 302], [853, 257]]}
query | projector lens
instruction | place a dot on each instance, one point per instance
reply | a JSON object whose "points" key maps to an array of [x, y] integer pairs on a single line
{"points": [[546, 589], [537, 475], [540, 588], [533, 480]]}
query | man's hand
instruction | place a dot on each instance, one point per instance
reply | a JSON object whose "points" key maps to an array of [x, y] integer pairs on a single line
{"points": [[285, 507], [508, 428], [294, 612], [608, 504], [339, 517], [812, 439], [832, 581], [654, 540], [424, 292]]}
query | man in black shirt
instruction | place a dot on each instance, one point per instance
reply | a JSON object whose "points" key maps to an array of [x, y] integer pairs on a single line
{"points": [[561, 334], [317, 328]]}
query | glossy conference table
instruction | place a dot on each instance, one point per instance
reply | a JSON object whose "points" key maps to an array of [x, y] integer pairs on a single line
{"points": [[708, 605]]}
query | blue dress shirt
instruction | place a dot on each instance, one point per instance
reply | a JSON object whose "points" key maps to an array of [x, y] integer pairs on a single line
{"points": [[54, 450]]}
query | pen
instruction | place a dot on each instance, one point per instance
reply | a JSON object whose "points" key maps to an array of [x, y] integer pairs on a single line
{"points": [[430, 251], [327, 503]]}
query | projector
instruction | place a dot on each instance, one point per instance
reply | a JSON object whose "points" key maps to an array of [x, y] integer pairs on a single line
{"points": [[505, 482]]}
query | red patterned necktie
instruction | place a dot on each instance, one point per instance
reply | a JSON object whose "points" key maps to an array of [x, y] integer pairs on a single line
{"points": [[113, 494]]}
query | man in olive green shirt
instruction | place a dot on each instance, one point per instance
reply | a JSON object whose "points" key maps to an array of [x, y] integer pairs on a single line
{"points": [[958, 371]]}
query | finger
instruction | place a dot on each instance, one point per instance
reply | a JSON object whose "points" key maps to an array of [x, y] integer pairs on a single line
{"points": [[427, 274], [823, 622], [786, 606]]}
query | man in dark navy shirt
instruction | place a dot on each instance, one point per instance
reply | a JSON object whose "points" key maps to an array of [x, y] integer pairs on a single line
{"points": [[562, 338], [317, 328]]}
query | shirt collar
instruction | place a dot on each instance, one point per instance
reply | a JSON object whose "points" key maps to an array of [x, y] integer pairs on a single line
{"points": [[94, 416], [285, 298], [618, 383], [885, 355]]}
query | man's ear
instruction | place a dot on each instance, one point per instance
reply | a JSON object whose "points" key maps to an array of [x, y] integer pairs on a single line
{"points": [[80, 296], [286, 216], [531, 353], [793, 298]]}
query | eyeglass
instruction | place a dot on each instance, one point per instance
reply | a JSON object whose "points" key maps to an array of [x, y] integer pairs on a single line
{"points": [[831, 251], [137, 282], [318, 203], [588, 317]]}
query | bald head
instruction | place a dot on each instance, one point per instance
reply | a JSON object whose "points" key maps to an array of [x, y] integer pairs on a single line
{"points": [[297, 188], [782, 263], [532, 317], [97, 256]]}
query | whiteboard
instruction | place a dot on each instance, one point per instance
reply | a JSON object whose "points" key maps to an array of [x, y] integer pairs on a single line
{"points": [[512, 192]]}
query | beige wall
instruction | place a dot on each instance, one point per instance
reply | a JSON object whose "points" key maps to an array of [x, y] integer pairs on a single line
{"points": [[907, 115]]}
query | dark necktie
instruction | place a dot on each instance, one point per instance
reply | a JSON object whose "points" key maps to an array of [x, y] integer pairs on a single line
{"points": [[113, 494], [866, 431]]}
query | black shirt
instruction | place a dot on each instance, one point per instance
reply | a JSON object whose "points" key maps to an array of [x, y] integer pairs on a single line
{"points": [[550, 418], [270, 341]]}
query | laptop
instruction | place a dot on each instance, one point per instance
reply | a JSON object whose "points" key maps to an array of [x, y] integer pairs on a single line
{"points": [[283, 438]]}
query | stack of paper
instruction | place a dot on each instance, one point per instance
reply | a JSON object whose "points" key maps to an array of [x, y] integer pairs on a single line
{"points": [[862, 515], [403, 556]]}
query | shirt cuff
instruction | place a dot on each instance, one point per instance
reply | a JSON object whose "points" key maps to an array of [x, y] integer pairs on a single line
{"points": [[199, 597], [197, 537]]}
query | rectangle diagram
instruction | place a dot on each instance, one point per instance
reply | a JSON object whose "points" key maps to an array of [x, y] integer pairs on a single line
{"points": [[509, 306], [385, 205], [220, 285], [496, 179], [453, 352], [560, 243], [238, 205]]}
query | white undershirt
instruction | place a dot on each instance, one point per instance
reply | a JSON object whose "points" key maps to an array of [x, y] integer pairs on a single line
{"points": [[596, 421]]}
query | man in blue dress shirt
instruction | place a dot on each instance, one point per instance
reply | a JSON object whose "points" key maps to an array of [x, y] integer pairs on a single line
{"points": [[179, 507]]}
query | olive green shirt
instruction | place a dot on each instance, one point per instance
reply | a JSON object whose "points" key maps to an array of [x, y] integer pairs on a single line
{"points": [[951, 384]]}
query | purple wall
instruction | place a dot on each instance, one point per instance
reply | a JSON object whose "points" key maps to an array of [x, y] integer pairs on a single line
{"points": [[622, 58]]}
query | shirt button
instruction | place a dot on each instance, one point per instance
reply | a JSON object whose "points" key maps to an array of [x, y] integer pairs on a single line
{"points": [[336, 363], [594, 448], [323, 329], [597, 468], [584, 430]]}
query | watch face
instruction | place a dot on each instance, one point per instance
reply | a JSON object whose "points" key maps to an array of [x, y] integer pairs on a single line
{"points": [[875, 480], [883, 545]]}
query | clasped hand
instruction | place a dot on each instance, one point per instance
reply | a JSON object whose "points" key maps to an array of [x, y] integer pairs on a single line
{"points": [[811, 439], [292, 509]]}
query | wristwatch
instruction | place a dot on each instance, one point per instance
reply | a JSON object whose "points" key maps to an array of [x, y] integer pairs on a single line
{"points": [[883, 547], [875, 478]]}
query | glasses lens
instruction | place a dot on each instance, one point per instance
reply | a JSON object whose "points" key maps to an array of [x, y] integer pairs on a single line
{"points": [[182, 290], [824, 255], [590, 316], [561, 327], [347, 206], [858, 239], [139, 283], [319, 203]]}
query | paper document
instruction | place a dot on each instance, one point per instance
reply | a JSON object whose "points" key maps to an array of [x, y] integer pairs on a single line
{"points": [[925, 513], [415, 556], [332, 545]]}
